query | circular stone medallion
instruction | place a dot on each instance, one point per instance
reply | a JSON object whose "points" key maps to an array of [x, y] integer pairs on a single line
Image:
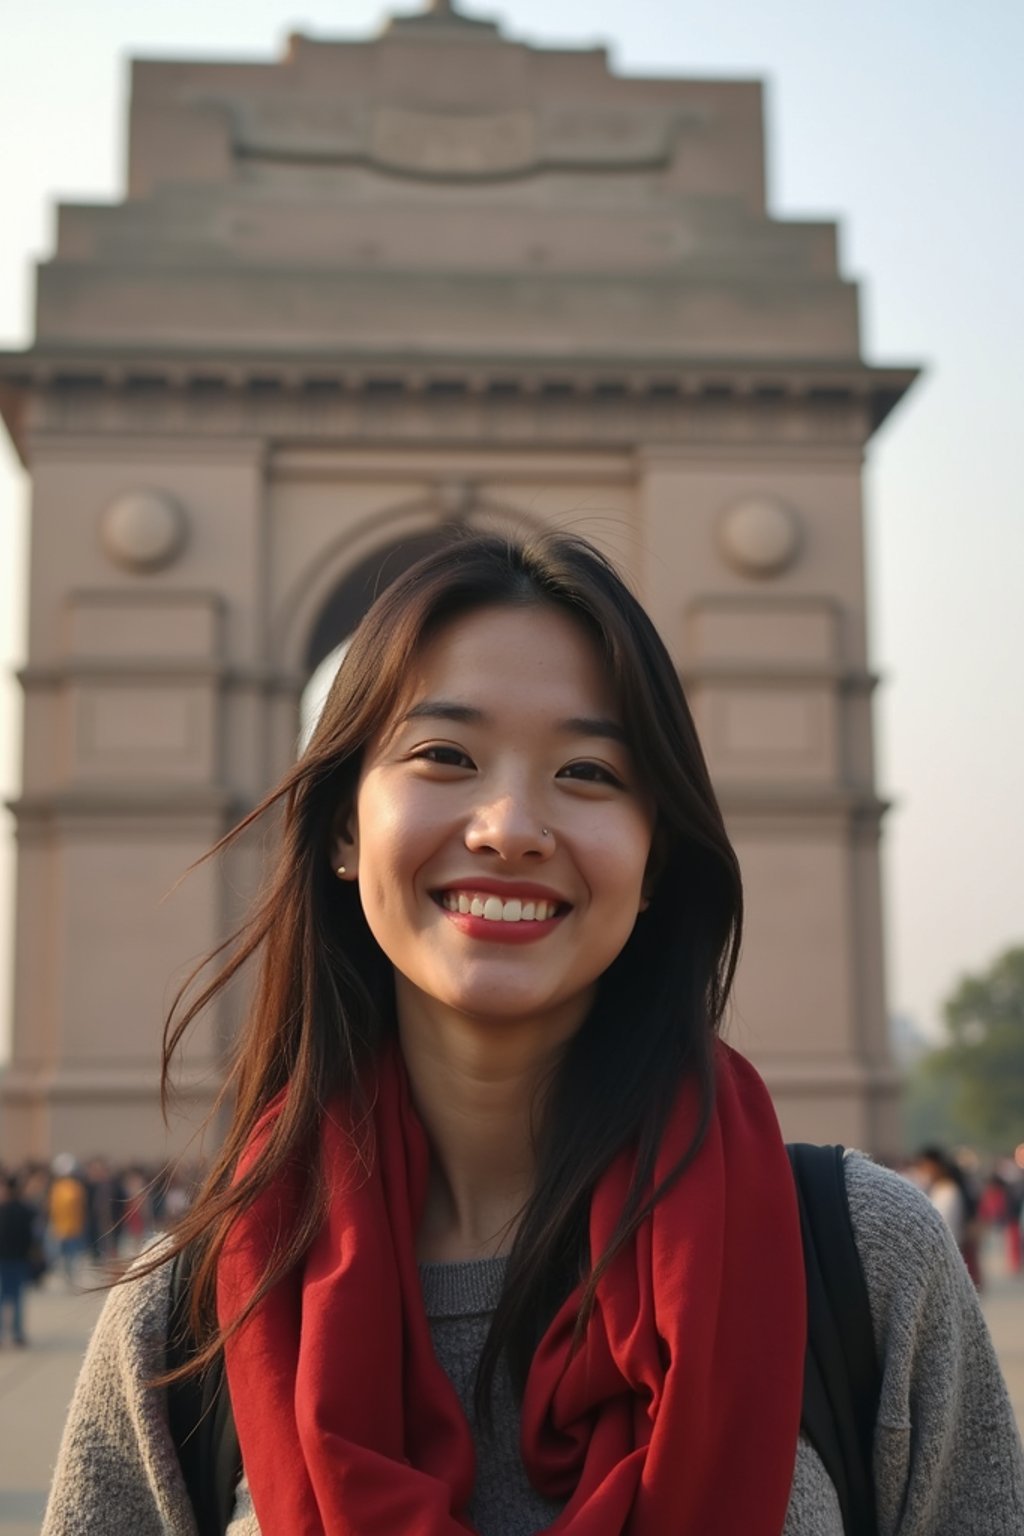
{"points": [[143, 530], [760, 536]]}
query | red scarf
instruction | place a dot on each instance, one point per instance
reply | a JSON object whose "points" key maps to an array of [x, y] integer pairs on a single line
{"points": [[680, 1412]]}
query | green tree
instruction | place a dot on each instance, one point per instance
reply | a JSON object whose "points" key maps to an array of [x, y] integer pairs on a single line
{"points": [[930, 1109], [979, 1073]]}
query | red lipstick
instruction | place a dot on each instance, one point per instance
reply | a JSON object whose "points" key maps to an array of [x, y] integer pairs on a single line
{"points": [[497, 932]]}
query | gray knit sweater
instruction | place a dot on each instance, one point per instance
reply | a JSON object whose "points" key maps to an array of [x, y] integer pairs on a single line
{"points": [[947, 1457]]}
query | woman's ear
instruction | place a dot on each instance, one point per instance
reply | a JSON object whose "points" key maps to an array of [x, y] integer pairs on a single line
{"points": [[344, 849]]}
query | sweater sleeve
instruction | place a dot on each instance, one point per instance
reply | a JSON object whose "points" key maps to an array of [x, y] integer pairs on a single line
{"points": [[117, 1470], [947, 1456]]}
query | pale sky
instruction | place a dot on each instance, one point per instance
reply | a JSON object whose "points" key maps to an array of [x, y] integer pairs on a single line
{"points": [[904, 120]]}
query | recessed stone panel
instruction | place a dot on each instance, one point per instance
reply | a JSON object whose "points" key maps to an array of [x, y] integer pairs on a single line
{"points": [[770, 734], [774, 633], [142, 732], [124, 955], [797, 905], [110, 626], [453, 144]]}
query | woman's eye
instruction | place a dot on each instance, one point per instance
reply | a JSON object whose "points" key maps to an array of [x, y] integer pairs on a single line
{"points": [[445, 757], [591, 773]]}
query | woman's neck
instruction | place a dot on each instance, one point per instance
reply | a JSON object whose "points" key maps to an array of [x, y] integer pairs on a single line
{"points": [[478, 1087]]}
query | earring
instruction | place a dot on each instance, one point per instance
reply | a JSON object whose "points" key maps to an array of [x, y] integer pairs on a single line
{"points": [[340, 871]]}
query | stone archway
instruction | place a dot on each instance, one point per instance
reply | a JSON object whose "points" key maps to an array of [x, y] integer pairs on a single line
{"points": [[341, 579], [311, 334], [343, 610], [358, 588], [341, 613]]}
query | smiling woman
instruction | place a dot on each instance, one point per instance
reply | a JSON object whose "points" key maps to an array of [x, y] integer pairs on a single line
{"points": [[502, 1237], [501, 807]]}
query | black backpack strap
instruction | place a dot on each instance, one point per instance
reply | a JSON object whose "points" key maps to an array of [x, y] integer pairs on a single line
{"points": [[200, 1417], [842, 1383]]}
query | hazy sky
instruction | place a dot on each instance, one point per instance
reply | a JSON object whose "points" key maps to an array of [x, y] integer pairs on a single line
{"points": [[904, 119]]}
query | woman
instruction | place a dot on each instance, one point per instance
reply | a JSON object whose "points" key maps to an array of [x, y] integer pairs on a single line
{"points": [[17, 1242], [945, 1183], [501, 1239]]}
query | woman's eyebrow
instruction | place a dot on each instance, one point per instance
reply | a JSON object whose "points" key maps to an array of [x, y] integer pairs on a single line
{"points": [[445, 709], [467, 714], [583, 725]]}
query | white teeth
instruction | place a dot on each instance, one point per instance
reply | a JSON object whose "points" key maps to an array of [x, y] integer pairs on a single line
{"points": [[494, 910]]}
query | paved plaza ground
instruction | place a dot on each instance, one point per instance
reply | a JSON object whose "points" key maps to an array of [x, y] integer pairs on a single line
{"points": [[36, 1383]]}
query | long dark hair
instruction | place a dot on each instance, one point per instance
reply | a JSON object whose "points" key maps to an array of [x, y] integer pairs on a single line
{"points": [[323, 1001]]}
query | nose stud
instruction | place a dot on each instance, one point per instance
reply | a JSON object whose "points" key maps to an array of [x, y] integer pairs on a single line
{"points": [[544, 832]]}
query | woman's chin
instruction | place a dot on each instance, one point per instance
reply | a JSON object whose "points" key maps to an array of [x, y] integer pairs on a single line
{"points": [[506, 1005]]}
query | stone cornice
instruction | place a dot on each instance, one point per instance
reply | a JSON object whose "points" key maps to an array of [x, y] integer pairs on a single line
{"points": [[126, 810], [122, 807], [107, 1081], [444, 380], [746, 674], [817, 1079], [140, 669], [752, 807], [269, 680]]}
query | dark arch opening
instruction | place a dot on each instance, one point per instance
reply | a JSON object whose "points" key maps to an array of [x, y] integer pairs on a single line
{"points": [[357, 590], [346, 606]]}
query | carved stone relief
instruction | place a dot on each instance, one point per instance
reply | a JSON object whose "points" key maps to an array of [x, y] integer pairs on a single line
{"points": [[760, 536], [143, 530]]}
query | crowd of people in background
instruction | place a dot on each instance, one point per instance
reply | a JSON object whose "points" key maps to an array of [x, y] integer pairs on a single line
{"points": [[55, 1219], [973, 1204]]}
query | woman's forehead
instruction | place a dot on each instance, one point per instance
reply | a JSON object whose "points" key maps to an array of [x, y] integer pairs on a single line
{"points": [[511, 653]]}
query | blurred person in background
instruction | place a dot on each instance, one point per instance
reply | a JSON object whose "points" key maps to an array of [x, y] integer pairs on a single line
{"points": [[137, 1225], [1000, 1209], [175, 1200], [949, 1190], [18, 1238], [67, 1215], [35, 1188], [105, 1200]]}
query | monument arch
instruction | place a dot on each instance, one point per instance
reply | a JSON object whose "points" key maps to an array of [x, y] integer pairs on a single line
{"points": [[356, 295], [343, 577], [357, 582]]}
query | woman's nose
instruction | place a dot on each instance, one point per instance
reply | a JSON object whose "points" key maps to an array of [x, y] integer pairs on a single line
{"points": [[510, 828]]}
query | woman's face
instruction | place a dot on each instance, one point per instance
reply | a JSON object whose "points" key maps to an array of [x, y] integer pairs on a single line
{"points": [[500, 834]]}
